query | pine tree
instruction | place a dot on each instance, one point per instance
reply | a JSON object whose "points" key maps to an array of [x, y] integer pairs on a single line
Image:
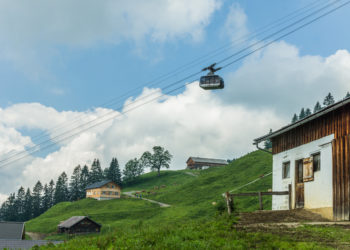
{"points": [[37, 190], [295, 118], [347, 95], [20, 204], [61, 190], [105, 173], [114, 173], [307, 112], [302, 114], [317, 107], [84, 181], [328, 100], [28, 205], [96, 173], [51, 192], [268, 143], [74, 184], [46, 199]]}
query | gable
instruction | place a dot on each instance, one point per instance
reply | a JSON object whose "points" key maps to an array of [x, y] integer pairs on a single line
{"points": [[11, 230]]}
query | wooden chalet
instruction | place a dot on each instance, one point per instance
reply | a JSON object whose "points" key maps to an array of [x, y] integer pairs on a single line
{"points": [[78, 225], [204, 163], [313, 155], [103, 190]]}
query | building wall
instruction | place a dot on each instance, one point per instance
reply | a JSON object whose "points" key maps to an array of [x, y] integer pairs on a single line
{"points": [[98, 194], [317, 193]]}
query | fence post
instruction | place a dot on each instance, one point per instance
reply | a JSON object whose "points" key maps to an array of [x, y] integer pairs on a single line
{"points": [[260, 201], [229, 203], [290, 196]]}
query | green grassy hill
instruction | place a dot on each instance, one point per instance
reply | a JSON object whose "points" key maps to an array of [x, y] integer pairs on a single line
{"points": [[190, 197]]}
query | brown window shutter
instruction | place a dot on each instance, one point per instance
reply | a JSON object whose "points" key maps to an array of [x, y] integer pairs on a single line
{"points": [[308, 170]]}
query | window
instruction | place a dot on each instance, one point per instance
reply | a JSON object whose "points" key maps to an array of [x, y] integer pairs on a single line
{"points": [[286, 170], [316, 162]]}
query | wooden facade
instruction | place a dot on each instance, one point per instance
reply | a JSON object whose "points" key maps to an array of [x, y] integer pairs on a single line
{"points": [[79, 225], [201, 163], [105, 190], [330, 121]]}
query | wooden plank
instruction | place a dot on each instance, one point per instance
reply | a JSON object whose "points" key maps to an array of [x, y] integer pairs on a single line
{"points": [[334, 177], [346, 178], [290, 196], [262, 193]]}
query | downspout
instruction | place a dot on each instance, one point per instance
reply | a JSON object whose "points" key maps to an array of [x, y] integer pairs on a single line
{"points": [[262, 149]]}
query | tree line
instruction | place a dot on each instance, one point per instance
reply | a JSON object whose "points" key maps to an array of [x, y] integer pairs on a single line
{"points": [[27, 204], [305, 112]]}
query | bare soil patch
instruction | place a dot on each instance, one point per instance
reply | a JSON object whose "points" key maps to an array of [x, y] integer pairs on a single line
{"points": [[282, 216]]}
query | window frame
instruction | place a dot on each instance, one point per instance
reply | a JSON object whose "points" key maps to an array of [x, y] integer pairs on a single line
{"points": [[319, 162], [284, 165]]}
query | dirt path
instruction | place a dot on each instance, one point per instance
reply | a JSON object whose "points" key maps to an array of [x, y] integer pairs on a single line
{"points": [[192, 174], [36, 236], [131, 194]]}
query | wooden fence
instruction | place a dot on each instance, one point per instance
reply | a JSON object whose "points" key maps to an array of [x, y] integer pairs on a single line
{"points": [[230, 198]]}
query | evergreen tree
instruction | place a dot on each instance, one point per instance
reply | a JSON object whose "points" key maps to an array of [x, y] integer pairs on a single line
{"points": [[28, 205], [307, 112], [61, 190], [74, 184], [347, 95], [268, 143], [295, 118], [105, 173], [20, 200], [46, 200], [51, 193], [302, 114], [114, 173], [328, 100], [84, 181], [96, 173], [37, 190], [317, 107]]}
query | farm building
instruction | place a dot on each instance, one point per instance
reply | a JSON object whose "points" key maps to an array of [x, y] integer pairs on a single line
{"points": [[103, 190], [79, 224], [204, 163], [313, 155], [12, 230]]}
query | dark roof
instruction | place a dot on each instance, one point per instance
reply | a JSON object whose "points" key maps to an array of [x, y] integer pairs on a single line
{"points": [[99, 184], [207, 160], [74, 220], [24, 244], [11, 230], [307, 119]]}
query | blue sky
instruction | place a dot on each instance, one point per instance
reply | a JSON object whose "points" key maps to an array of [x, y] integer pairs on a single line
{"points": [[83, 77], [61, 60]]}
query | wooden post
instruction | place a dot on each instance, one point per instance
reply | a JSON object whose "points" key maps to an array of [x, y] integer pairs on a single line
{"points": [[290, 196], [229, 203], [260, 201]]}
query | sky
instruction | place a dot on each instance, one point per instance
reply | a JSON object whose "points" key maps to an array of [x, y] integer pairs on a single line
{"points": [[65, 66]]}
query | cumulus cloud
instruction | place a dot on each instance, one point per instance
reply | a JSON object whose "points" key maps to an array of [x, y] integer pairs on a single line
{"points": [[236, 23], [192, 123], [283, 80], [30, 30]]}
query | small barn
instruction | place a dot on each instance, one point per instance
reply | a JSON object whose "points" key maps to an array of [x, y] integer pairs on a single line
{"points": [[313, 155], [103, 190], [12, 230], [78, 225], [204, 163]]}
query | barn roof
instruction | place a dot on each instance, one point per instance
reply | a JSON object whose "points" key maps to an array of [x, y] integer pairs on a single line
{"points": [[24, 244], [11, 230], [307, 119], [207, 160], [98, 184], [74, 220]]}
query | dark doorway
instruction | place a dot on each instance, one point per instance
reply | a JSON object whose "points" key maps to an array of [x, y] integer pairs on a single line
{"points": [[299, 184]]}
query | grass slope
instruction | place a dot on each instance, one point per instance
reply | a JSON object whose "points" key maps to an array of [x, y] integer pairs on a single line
{"points": [[190, 197]]}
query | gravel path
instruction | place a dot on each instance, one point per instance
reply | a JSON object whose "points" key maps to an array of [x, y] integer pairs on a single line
{"points": [[131, 194]]}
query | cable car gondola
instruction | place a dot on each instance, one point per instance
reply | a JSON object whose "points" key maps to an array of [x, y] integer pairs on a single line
{"points": [[211, 81]]}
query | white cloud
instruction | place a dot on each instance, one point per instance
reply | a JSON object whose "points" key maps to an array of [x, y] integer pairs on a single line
{"points": [[31, 30], [236, 23], [283, 80]]}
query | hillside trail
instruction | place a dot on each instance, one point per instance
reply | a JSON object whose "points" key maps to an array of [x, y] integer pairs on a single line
{"points": [[36, 236], [130, 194], [192, 174]]}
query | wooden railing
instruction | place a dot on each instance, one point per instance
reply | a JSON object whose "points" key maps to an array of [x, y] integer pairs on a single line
{"points": [[230, 198]]}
